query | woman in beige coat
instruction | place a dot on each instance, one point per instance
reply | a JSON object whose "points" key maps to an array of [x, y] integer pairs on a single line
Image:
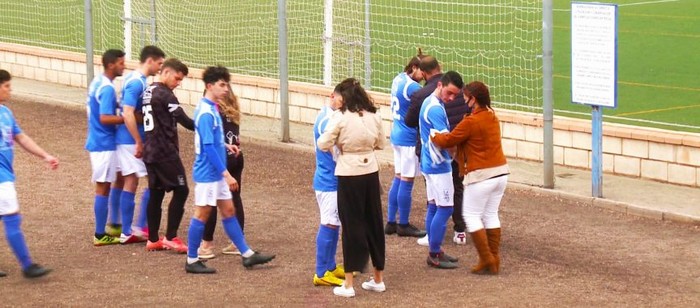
{"points": [[355, 129]]}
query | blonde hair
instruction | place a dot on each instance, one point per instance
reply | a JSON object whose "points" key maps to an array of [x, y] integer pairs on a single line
{"points": [[230, 107]]}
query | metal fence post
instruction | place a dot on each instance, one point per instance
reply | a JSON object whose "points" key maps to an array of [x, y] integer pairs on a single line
{"points": [[548, 98], [89, 52], [284, 68]]}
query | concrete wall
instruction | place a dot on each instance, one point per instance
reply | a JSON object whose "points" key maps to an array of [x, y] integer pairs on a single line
{"points": [[649, 153]]}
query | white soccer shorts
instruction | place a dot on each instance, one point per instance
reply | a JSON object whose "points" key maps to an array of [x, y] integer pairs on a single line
{"points": [[104, 166], [8, 198], [440, 188], [128, 163], [206, 194], [405, 161], [328, 207]]}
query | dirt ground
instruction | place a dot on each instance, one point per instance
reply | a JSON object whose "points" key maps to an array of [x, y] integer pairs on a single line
{"points": [[554, 253]]}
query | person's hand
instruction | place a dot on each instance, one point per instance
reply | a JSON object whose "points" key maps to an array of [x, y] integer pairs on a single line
{"points": [[138, 151], [52, 161], [231, 182], [233, 149]]}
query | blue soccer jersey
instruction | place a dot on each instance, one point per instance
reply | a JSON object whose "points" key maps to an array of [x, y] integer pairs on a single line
{"points": [[324, 176], [208, 130], [433, 117], [132, 95], [102, 99], [8, 130], [401, 90]]}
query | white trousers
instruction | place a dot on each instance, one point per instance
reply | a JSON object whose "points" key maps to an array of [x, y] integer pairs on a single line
{"points": [[481, 202]]}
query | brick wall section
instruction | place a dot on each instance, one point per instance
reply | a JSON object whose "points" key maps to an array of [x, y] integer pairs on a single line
{"points": [[649, 153]]}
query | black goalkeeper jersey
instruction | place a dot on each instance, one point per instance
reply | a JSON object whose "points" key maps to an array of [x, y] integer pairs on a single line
{"points": [[161, 113]]}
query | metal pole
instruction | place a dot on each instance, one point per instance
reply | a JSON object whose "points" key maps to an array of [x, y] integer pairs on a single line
{"points": [[327, 42], [154, 37], [89, 53], [597, 152], [548, 99], [284, 68], [368, 42], [127, 29]]}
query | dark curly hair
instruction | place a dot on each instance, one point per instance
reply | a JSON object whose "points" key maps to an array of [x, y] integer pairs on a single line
{"points": [[355, 98]]}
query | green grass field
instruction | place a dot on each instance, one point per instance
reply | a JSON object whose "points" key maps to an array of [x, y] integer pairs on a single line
{"points": [[491, 41], [658, 63]]}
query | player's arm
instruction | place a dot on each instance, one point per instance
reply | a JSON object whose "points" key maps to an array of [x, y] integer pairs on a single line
{"points": [[30, 146], [180, 116], [205, 130], [458, 135], [108, 106], [411, 118], [131, 125], [330, 135], [132, 92]]}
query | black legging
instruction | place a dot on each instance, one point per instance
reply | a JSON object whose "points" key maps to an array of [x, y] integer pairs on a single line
{"points": [[459, 225], [235, 167], [176, 209]]}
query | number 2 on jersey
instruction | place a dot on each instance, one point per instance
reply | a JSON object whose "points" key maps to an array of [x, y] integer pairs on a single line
{"points": [[395, 107]]}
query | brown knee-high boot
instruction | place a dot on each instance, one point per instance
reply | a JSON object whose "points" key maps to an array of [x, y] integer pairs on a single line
{"points": [[494, 237], [486, 260]]}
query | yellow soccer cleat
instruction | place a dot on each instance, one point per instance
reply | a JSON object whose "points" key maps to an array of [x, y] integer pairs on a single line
{"points": [[328, 279], [339, 271]]}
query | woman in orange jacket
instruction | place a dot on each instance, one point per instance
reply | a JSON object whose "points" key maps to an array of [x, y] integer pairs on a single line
{"points": [[478, 140]]}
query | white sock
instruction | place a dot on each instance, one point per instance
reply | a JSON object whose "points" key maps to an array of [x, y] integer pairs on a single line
{"points": [[248, 253], [192, 260]]}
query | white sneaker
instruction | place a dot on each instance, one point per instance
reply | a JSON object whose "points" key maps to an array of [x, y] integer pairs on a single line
{"points": [[373, 286], [460, 238], [344, 292], [423, 241]]}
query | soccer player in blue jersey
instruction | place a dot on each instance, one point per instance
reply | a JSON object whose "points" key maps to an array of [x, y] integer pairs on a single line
{"points": [[101, 138], [130, 145], [403, 139], [213, 183], [328, 273], [10, 133], [436, 166]]}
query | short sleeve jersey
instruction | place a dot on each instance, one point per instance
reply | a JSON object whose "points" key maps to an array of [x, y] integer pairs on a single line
{"points": [[433, 117], [132, 95], [324, 176], [208, 130], [8, 130], [102, 100], [401, 90], [159, 124]]}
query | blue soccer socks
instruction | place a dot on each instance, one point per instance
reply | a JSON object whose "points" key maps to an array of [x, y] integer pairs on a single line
{"points": [[235, 234], [324, 240], [15, 238], [143, 210], [393, 206], [429, 214], [194, 238], [438, 227], [101, 210], [334, 249], [127, 209], [115, 195], [404, 201]]}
